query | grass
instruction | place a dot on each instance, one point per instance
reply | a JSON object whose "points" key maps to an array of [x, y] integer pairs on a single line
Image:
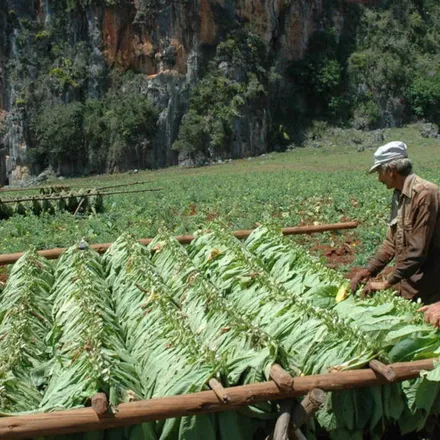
{"points": [[304, 186]]}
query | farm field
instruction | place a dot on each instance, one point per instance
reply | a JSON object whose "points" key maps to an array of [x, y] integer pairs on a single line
{"points": [[300, 187]]}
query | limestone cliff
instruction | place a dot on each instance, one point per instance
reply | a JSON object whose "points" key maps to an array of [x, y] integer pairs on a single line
{"points": [[168, 41]]}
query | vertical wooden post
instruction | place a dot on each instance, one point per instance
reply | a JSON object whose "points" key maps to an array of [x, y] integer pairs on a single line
{"points": [[281, 377], [384, 370], [100, 403], [281, 431], [306, 409], [219, 391], [298, 435]]}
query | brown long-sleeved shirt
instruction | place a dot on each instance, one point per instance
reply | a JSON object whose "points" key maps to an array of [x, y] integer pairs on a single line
{"points": [[413, 240]]}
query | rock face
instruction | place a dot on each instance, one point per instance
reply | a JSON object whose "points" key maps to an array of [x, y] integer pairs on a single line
{"points": [[3, 52], [168, 41], [3, 58]]}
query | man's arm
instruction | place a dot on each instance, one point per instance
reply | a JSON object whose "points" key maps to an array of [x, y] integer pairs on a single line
{"points": [[419, 238], [384, 254], [382, 257]]}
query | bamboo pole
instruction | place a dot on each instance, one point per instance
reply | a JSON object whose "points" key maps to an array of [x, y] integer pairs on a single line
{"points": [[86, 419], [52, 254], [73, 194]]}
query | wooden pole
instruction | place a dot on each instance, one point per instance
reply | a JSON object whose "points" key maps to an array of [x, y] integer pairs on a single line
{"points": [[219, 390], [79, 206], [281, 377], [30, 188], [54, 253], [307, 408], [99, 188], [298, 435], [86, 419], [385, 370], [281, 430], [73, 194], [100, 403], [297, 230], [123, 184]]}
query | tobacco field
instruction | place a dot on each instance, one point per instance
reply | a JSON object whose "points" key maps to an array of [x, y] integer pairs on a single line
{"points": [[144, 322], [302, 187]]}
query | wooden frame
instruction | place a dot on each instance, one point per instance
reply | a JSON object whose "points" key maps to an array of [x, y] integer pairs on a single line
{"points": [[87, 419]]}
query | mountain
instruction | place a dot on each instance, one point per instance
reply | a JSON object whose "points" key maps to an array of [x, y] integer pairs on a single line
{"points": [[91, 86]]}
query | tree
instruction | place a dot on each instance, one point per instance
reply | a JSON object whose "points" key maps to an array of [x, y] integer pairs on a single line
{"points": [[59, 133]]}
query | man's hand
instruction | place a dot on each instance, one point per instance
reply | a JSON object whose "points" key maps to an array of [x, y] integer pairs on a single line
{"points": [[362, 276], [375, 286], [432, 314]]}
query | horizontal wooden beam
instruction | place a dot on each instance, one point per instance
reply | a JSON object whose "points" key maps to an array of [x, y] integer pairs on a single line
{"points": [[53, 254], [219, 390], [86, 419]]}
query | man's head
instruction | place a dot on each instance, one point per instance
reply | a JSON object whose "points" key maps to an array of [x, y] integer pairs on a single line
{"points": [[392, 164]]}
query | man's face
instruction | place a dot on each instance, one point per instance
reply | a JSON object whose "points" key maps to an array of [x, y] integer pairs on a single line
{"points": [[386, 176]]}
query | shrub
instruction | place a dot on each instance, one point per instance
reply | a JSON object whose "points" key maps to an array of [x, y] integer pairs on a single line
{"points": [[97, 134], [424, 96], [59, 133], [131, 122]]}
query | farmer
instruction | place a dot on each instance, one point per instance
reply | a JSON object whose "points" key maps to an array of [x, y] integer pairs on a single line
{"points": [[413, 236]]}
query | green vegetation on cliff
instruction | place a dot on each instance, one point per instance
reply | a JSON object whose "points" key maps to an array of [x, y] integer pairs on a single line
{"points": [[382, 69], [234, 86], [98, 134], [78, 115], [366, 66]]}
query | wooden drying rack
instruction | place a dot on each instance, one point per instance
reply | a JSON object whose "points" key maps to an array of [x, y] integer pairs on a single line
{"points": [[87, 419], [283, 386]]}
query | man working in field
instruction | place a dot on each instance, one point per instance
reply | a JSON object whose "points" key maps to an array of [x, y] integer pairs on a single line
{"points": [[413, 236]]}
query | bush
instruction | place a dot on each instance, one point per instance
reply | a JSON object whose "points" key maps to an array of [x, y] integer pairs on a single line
{"points": [[97, 134], [424, 96], [318, 79], [208, 125], [59, 133], [131, 120], [193, 135], [366, 115]]}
